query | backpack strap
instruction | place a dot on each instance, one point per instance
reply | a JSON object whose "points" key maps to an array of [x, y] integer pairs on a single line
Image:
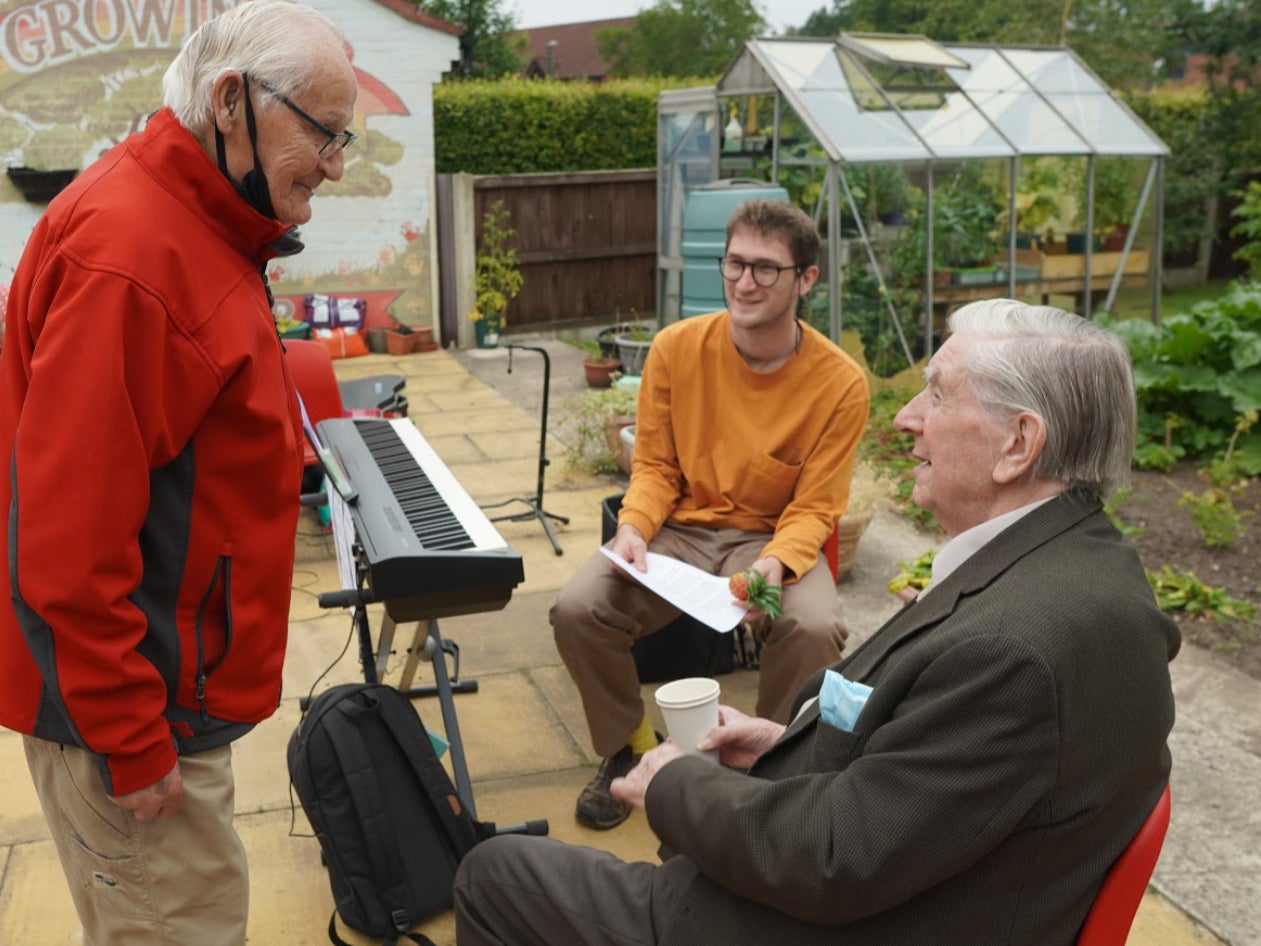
{"points": [[401, 719], [379, 836], [336, 939]]}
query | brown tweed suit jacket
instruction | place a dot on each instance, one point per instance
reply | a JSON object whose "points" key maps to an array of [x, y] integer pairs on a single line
{"points": [[1014, 741]]}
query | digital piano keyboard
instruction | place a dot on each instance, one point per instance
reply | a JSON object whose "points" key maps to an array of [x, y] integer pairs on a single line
{"points": [[424, 546]]}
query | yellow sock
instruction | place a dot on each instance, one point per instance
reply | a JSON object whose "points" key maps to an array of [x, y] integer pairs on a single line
{"points": [[643, 738]]}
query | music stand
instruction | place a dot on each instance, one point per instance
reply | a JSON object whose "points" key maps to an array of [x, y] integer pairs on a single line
{"points": [[535, 502]]}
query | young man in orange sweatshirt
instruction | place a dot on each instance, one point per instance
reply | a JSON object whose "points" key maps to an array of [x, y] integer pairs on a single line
{"points": [[745, 436]]}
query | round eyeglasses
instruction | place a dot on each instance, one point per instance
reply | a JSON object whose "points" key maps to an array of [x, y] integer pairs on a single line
{"points": [[764, 274], [337, 140]]}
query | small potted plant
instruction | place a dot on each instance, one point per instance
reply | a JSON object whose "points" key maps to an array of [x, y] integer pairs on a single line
{"points": [[632, 347], [591, 424], [497, 279], [600, 370], [606, 338]]}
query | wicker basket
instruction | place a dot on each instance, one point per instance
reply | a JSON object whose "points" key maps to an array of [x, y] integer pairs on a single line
{"points": [[849, 530]]}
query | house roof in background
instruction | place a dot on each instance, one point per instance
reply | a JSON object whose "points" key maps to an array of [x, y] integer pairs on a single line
{"points": [[411, 11], [575, 55]]}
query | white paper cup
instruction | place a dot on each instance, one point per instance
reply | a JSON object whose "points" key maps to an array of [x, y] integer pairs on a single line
{"points": [[690, 708]]}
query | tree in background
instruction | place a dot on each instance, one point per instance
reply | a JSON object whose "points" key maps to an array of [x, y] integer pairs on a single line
{"points": [[1230, 33], [681, 38], [485, 51], [827, 21]]}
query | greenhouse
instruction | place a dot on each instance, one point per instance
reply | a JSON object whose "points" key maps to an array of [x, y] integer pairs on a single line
{"points": [[921, 156]]}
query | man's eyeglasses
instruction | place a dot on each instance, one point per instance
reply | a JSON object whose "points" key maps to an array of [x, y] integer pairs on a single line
{"points": [[764, 274], [337, 140]]}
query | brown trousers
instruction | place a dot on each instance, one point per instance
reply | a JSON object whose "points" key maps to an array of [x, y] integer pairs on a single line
{"points": [[521, 891], [181, 882], [599, 615]]}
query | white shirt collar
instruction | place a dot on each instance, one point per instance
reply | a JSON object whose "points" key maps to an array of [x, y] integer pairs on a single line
{"points": [[964, 545]]}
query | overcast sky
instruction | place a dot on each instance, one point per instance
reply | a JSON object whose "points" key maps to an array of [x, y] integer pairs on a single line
{"points": [[529, 13]]}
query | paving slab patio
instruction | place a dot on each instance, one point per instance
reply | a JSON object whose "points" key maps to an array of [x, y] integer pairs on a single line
{"points": [[524, 733]]}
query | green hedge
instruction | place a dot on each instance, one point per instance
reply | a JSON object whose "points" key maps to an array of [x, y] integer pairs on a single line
{"points": [[519, 126]]}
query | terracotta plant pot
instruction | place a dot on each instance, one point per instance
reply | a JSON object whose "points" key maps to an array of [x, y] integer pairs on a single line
{"points": [[400, 340], [423, 338], [600, 370]]}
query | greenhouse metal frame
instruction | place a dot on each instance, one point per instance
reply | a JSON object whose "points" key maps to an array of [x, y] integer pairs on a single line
{"points": [[912, 102]]}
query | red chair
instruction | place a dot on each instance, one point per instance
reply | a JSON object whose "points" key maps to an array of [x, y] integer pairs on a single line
{"points": [[311, 367], [831, 550], [1110, 917]]}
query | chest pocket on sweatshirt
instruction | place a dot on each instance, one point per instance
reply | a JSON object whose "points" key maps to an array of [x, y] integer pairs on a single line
{"points": [[768, 485]]}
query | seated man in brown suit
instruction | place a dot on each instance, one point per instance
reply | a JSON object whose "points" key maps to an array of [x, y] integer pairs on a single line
{"points": [[1013, 735]]}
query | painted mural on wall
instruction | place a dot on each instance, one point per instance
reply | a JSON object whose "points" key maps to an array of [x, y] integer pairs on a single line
{"points": [[78, 76]]}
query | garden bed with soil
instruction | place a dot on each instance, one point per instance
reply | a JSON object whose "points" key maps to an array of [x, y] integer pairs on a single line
{"points": [[1168, 536]]}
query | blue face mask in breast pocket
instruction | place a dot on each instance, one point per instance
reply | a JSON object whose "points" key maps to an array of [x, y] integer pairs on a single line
{"points": [[841, 700]]}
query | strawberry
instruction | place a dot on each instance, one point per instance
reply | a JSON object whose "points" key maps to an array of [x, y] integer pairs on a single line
{"points": [[750, 586]]}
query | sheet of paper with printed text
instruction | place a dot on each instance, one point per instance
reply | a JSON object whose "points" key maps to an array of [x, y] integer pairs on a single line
{"points": [[704, 596]]}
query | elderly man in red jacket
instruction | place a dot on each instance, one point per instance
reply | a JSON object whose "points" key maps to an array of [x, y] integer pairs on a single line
{"points": [[152, 456]]}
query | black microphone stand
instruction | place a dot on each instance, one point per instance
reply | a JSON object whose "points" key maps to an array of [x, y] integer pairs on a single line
{"points": [[535, 502]]}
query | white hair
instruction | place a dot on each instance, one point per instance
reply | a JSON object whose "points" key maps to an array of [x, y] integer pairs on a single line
{"points": [[274, 41], [1068, 371]]}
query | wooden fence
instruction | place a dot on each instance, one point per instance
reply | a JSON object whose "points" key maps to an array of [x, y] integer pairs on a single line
{"points": [[587, 244]]}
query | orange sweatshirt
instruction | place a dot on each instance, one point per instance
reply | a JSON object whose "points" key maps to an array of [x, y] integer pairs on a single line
{"points": [[720, 445]]}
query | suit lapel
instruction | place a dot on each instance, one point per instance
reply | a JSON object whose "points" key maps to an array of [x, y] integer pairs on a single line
{"points": [[991, 560], [981, 569]]}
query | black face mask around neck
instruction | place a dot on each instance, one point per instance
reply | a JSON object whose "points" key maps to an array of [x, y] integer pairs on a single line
{"points": [[253, 186]]}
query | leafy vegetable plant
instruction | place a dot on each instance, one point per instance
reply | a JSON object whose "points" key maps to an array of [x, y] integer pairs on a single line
{"points": [[1195, 374]]}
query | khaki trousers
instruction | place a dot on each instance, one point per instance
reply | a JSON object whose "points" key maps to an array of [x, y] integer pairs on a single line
{"points": [[599, 615], [182, 882]]}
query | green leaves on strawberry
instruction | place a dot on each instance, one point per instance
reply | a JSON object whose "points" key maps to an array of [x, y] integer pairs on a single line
{"points": [[751, 586]]}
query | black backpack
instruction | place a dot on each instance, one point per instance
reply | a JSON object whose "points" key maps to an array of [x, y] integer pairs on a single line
{"points": [[391, 827]]}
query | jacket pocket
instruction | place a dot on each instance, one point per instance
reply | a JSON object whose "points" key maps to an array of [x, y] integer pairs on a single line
{"points": [[213, 628], [834, 749]]}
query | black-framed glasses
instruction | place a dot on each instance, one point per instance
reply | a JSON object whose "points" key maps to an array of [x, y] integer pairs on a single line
{"points": [[337, 140], [764, 274]]}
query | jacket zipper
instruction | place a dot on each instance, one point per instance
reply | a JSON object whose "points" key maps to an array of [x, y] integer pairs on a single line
{"points": [[223, 565]]}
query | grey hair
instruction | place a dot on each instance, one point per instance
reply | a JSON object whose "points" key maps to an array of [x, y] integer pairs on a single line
{"points": [[1070, 372], [272, 40]]}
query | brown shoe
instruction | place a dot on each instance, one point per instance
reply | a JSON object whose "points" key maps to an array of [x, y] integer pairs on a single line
{"points": [[597, 808]]}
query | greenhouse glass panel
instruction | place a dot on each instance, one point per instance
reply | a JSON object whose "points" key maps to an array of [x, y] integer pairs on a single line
{"points": [[803, 65], [1030, 123], [856, 135], [957, 130], [901, 49], [1054, 71], [988, 71], [1107, 125]]}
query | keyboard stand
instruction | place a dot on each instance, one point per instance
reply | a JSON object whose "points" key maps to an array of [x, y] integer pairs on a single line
{"points": [[427, 644], [535, 502]]}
